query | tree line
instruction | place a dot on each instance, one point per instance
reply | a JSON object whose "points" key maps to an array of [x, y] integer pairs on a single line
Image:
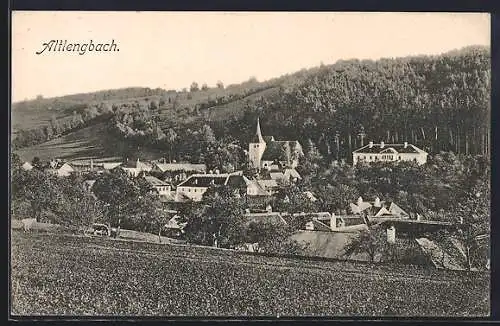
{"points": [[439, 103], [58, 127]]}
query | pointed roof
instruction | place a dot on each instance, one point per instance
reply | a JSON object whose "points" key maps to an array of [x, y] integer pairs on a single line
{"points": [[258, 135]]}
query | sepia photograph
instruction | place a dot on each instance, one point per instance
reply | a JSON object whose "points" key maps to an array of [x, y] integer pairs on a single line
{"points": [[250, 164]]}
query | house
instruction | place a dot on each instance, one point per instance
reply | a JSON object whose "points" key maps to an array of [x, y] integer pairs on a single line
{"points": [[135, 168], [197, 184], [176, 172], [378, 208], [326, 222], [27, 166], [265, 151], [91, 166], [389, 153], [174, 227], [174, 167], [163, 188], [59, 168], [270, 180], [269, 185]]}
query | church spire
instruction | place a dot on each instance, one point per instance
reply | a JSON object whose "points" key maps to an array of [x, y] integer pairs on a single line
{"points": [[258, 136]]}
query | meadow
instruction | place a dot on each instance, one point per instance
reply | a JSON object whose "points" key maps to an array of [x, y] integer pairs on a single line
{"points": [[56, 274]]}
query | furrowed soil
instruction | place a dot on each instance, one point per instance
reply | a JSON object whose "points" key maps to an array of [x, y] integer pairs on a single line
{"points": [[54, 274]]}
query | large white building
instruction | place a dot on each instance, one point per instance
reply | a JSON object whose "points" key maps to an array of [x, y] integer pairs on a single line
{"points": [[265, 151], [389, 153]]}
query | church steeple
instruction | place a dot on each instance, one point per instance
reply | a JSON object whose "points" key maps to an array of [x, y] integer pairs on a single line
{"points": [[258, 136]]}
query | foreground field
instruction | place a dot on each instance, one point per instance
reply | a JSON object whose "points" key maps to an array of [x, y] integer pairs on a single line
{"points": [[71, 275]]}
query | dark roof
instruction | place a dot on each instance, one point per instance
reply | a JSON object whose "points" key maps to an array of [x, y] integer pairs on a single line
{"points": [[204, 180], [413, 226], [400, 148], [136, 164], [155, 181], [236, 181], [181, 167], [268, 139], [280, 150]]}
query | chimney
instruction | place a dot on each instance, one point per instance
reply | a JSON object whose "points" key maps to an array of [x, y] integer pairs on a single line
{"points": [[391, 234], [333, 222], [406, 144], [370, 144], [91, 165], [377, 202], [382, 144]]}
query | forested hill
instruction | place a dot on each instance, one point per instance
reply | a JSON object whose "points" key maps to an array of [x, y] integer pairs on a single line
{"points": [[437, 102]]}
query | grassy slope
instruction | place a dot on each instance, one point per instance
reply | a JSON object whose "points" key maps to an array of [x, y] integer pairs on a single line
{"points": [[95, 141], [90, 142], [88, 276], [84, 143]]}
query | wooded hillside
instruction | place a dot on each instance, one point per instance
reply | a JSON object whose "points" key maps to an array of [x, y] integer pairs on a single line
{"points": [[439, 103]]}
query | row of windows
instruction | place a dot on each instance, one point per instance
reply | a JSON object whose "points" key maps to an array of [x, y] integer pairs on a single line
{"points": [[383, 157], [163, 188], [189, 189]]}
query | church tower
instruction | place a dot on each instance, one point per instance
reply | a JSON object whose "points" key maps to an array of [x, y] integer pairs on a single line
{"points": [[256, 148]]}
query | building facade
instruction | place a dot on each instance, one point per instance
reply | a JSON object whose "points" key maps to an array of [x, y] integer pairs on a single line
{"points": [[389, 153]]}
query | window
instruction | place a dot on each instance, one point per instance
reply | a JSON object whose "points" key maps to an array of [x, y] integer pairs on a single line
{"points": [[370, 157], [399, 157], [189, 189]]}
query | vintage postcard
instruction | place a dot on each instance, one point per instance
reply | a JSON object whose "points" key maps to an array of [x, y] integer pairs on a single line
{"points": [[258, 164]]}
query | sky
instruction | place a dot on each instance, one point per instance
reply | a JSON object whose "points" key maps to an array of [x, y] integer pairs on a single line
{"points": [[172, 49]]}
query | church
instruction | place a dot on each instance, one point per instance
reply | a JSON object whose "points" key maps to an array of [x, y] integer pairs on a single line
{"points": [[264, 152]]}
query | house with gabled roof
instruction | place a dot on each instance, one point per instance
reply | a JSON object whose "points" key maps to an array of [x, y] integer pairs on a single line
{"points": [[60, 168], [389, 153], [197, 184], [177, 172], [177, 167], [378, 208], [265, 151], [135, 168], [85, 166], [163, 188]]}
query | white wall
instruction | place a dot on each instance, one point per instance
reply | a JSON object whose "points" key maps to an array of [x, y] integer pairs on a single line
{"points": [[421, 158], [194, 193], [255, 151], [163, 190]]}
